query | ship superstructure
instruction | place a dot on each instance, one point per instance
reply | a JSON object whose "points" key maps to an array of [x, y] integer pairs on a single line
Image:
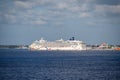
{"points": [[58, 45]]}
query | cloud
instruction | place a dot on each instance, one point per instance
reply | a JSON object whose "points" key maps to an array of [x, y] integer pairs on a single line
{"points": [[62, 6], [84, 15], [23, 4], [42, 12], [9, 18], [106, 10], [107, 2], [38, 22]]}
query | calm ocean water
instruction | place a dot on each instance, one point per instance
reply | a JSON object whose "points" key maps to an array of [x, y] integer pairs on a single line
{"points": [[16, 64]]}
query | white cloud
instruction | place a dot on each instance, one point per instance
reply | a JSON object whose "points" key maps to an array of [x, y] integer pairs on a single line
{"points": [[23, 4], [38, 22], [44, 11], [10, 18], [62, 6], [91, 23], [29, 12], [104, 9], [84, 14]]}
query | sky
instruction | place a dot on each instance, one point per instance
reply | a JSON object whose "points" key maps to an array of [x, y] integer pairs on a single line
{"points": [[92, 21]]}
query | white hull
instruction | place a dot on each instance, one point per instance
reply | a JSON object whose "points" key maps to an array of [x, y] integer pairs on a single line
{"points": [[58, 45], [62, 49]]}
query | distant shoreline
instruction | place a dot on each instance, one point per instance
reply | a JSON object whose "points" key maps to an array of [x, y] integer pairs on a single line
{"points": [[90, 47], [13, 46]]}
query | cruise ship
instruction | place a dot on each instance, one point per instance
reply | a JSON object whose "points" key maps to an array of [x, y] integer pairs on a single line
{"points": [[61, 44]]}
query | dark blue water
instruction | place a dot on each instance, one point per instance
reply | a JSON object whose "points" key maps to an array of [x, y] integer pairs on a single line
{"points": [[59, 65]]}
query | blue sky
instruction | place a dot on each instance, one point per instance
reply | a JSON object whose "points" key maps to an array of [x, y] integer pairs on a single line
{"points": [[92, 21]]}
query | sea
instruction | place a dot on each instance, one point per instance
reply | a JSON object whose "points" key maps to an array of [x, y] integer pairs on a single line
{"points": [[23, 64]]}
